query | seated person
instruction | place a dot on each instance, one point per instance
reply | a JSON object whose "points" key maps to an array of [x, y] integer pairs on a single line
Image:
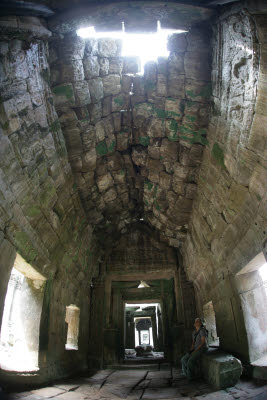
{"points": [[199, 346]]}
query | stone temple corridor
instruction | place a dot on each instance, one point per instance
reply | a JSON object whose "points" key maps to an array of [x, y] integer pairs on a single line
{"points": [[133, 176]]}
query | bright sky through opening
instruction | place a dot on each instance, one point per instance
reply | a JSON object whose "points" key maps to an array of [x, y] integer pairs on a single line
{"points": [[147, 46]]}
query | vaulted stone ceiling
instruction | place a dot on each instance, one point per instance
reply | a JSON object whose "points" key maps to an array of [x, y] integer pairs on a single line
{"points": [[135, 142], [47, 7]]}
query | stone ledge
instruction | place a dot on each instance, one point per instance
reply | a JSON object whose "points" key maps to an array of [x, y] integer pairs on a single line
{"points": [[221, 369]]}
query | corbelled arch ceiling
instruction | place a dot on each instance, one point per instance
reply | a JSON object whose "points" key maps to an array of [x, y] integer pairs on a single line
{"points": [[47, 8], [135, 143]]}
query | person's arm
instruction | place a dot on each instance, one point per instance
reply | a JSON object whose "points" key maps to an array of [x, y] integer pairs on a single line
{"points": [[203, 341]]}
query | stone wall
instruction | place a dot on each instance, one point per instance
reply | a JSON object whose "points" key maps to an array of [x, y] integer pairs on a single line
{"points": [[228, 225], [41, 216]]}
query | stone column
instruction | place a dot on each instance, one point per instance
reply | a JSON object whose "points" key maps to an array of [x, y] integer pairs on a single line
{"points": [[160, 329], [154, 331], [96, 336]]}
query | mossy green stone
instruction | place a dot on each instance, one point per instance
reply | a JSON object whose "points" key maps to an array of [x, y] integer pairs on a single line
{"points": [[144, 141], [217, 153], [64, 90], [101, 148]]}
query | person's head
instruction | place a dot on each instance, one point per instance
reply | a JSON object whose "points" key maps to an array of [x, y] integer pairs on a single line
{"points": [[198, 323]]}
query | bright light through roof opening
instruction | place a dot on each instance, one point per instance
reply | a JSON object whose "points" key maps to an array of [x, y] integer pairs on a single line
{"points": [[147, 46]]}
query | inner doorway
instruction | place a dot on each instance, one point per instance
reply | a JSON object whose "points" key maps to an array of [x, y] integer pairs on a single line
{"points": [[143, 331]]}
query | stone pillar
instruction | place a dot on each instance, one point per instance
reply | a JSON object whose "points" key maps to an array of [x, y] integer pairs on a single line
{"points": [[154, 331], [160, 329], [96, 336]]}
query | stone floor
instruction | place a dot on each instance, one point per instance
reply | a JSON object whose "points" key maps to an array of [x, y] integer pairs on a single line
{"points": [[141, 384]]}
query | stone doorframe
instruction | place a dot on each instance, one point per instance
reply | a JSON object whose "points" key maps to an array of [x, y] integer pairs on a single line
{"points": [[166, 274]]}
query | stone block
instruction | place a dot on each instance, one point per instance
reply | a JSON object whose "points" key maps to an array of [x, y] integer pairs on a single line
{"points": [[123, 140], [104, 66], [95, 112], [156, 128], [91, 47], [117, 121], [173, 108], [89, 160], [138, 85], [82, 94], [104, 182], [64, 95], [126, 83], [91, 67], [176, 64], [100, 131], [111, 85], [177, 42], [162, 85], [176, 86], [220, 369], [115, 65], [72, 47], [163, 65], [120, 102], [197, 90], [197, 65], [71, 71], [96, 89], [131, 65], [107, 47]]}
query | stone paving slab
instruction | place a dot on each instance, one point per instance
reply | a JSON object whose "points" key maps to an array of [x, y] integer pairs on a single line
{"points": [[159, 383], [165, 393], [48, 392], [143, 384], [118, 390], [135, 394], [66, 386], [159, 374], [71, 396], [32, 397], [87, 390], [220, 395]]}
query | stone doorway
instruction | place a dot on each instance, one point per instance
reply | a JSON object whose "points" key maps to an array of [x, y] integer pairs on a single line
{"points": [[143, 331]]}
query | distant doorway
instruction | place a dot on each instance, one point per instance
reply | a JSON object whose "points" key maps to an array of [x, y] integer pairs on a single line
{"points": [[143, 331]]}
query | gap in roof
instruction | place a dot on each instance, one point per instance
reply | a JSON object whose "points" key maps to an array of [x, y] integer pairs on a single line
{"points": [[147, 46]]}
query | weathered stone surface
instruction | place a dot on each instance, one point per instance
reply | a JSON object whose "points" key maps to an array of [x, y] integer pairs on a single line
{"points": [[131, 65], [64, 95], [111, 85], [148, 157], [82, 94], [104, 66], [72, 71], [115, 65], [108, 48], [96, 89], [221, 370], [91, 67], [177, 42]]}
